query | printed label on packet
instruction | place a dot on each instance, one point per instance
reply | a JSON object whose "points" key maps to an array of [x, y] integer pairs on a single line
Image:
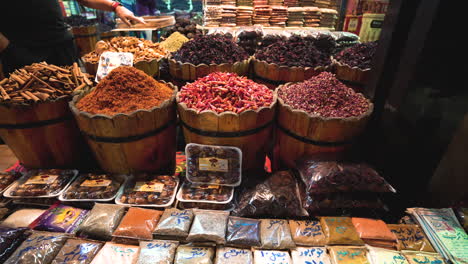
{"points": [[213, 164], [42, 179], [148, 187], [111, 60], [205, 187], [96, 183]]}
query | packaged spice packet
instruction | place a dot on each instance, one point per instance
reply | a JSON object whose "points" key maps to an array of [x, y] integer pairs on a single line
{"points": [[307, 233], [39, 248], [348, 255], [340, 231], [60, 218], [411, 237], [10, 239], [77, 251], [22, 218], [101, 221], [243, 232], [138, 223], [229, 255], [307, 255], [372, 229], [380, 255], [116, 254], [415, 257], [191, 255], [275, 234], [157, 251], [208, 225], [174, 223], [271, 257]]}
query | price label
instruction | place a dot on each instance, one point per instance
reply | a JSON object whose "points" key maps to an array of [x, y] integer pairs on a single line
{"points": [[42, 179], [148, 187], [96, 183], [213, 164]]}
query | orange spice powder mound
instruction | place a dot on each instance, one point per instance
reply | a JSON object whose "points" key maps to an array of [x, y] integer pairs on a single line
{"points": [[125, 90]]}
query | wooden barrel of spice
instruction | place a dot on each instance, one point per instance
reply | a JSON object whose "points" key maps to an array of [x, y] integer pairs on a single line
{"points": [[106, 36], [190, 72], [44, 134], [299, 133], [141, 141], [85, 38], [149, 67], [251, 131], [354, 75]]}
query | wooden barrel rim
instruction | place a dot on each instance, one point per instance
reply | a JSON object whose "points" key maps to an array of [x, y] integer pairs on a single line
{"points": [[337, 63]]}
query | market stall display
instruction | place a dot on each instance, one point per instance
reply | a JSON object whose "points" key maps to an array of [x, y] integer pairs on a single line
{"points": [[60, 218], [209, 225], [6, 179], [354, 64], [174, 223], [206, 54], [116, 254], [10, 239], [275, 234], [266, 256], [348, 255], [304, 255], [146, 54], [204, 193], [101, 221], [228, 255], [128, 111], [415, 257], [21, 218], [375, 233], [262, 15], [157, 251], [329, 18], [249, 40], [234, 110], [340, 231], [148, 190], [138, 223], [34, 106], [190, 254], [243, 232], [330, 115], [312, 16], [85, 32], [380, 255], [411, 237], [307, 233], [78, 251], [185, 27], [174, 42], [94, 187]]}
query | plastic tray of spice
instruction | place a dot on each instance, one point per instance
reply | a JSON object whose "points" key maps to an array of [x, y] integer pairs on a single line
{"points": [[149, 191], [205, 193], [41, 183], [97, 187], [220, 165], [7, 179]]}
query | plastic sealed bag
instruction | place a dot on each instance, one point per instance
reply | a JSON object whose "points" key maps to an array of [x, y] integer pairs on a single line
{"points": [[372, 229], [101, 221], [332, 202], [22, 218], [77, 251], [332, 176], [191, 255], [209, 225], [38, 248], [42, 183], [411, 237], [271, 257], [151, 190], [229, 255], [10, 239], [275, 234], [340, 231], [116, 254], [138, 223], [174, 223], [307, 233], [306, 255], [243, 232], [380, 255], [94, 186], [415, 257], [278, 196], [157, 251], [60, 218], [348, 255]]}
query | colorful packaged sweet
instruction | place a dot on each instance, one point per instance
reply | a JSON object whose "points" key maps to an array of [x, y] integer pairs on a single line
{"points": [[10, 239], [340, 231], [348, 255], [157, 251], [77, 251], [307, 233], [229, 255], [209, 225], [191, 255], [174, 223], [116, 254], [275, 234], [94, 186], [41, 183], [271, 257], [307, 255], [138, 223], [60, 218], [411, 237], [101, 221]]}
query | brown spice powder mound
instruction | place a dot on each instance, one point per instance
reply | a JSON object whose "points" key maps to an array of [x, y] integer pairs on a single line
{"points": [[125, 90]]}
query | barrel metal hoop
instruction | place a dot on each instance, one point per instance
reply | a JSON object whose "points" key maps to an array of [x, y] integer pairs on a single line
{"points": [[219, 134], [313, 142], [36, 124]]}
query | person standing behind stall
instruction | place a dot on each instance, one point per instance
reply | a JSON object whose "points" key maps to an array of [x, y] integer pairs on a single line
{"points": [[34, 31]]}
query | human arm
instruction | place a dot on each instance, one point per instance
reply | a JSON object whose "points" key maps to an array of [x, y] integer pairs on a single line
{"points": [[107, 5]]}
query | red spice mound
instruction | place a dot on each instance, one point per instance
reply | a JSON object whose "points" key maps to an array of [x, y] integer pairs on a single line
{"points": [[124, 90], [325, 96], [221, 92]]}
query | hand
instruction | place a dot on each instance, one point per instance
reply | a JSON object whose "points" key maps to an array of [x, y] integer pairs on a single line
{"points": [[127, 16], [4, 42]]}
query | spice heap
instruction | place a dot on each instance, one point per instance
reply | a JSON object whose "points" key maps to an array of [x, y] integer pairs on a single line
{"points": [[249, 40], [221, 92], [297, 51], [210, 49], [41, 82], [174, 42], [186, 27], [325, 96], [359, 55], [143, 50], [124, 90]]}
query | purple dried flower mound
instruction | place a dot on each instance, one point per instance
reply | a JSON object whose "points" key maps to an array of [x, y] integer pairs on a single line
{"points": [[325, 96], [359, 55], [296, 51], [210, 49]]}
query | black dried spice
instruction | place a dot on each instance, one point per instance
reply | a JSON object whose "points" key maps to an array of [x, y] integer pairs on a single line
{"points": [[359, 55], [249, 40], [210, 49], [271, 39], [325, 43], [296, 51]]}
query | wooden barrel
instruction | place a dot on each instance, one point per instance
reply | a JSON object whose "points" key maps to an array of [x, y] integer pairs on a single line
{"points": [[277, 74], [142, 141], [44, 135], [251, 131], [190, 72], [351, 74], [108, 35], [85, 38], [299, 133]]}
